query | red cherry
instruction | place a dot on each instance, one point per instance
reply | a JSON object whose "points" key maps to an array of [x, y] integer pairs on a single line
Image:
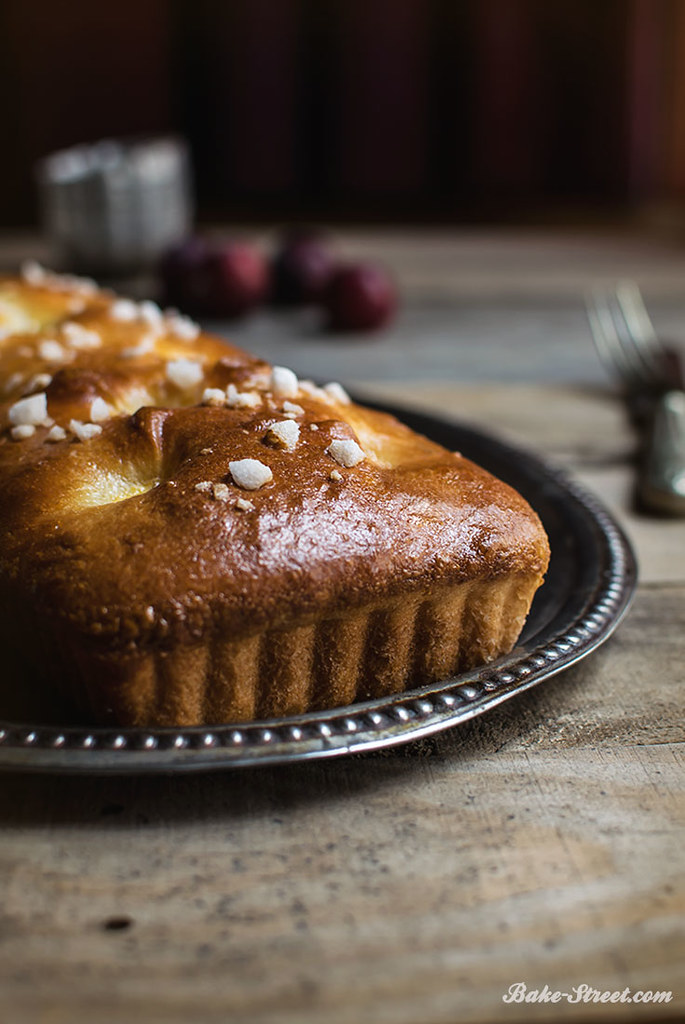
{"points": [[181, 272], [301, 270], [360, 297], [236, 279]]}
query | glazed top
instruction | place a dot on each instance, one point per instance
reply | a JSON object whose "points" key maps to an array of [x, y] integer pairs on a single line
{"points": [[155, 480]]}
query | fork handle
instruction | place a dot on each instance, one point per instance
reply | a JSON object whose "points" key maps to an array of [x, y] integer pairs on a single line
{"points": [[662, 483]]}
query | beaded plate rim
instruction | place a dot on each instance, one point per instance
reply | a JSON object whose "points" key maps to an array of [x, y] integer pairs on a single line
{"points": [[611, 573]]}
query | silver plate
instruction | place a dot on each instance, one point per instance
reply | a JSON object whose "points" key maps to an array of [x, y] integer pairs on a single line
{"points": [[589, 585]]}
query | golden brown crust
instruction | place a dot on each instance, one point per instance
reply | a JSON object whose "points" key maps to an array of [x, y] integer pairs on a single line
{"points": [[137, 542]]}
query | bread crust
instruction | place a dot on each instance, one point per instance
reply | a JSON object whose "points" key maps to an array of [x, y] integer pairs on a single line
{"points": [[123, 553]]}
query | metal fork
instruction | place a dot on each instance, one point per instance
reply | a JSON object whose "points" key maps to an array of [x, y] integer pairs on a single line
{"points": [[652, 379]]}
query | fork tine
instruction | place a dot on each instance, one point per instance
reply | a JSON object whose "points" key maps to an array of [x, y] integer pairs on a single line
{"points": [[640, 330], [632, 349], [635, 313], [607, 339]]}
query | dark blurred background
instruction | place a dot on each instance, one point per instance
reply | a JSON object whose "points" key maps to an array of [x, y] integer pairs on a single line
{"points": [[416, 111]]}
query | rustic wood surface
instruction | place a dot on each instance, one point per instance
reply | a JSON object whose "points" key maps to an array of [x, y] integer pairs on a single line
{"points": [[543, 842]]}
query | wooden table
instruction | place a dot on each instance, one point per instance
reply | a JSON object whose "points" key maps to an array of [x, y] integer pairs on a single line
{"points": [[542, 843]]}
